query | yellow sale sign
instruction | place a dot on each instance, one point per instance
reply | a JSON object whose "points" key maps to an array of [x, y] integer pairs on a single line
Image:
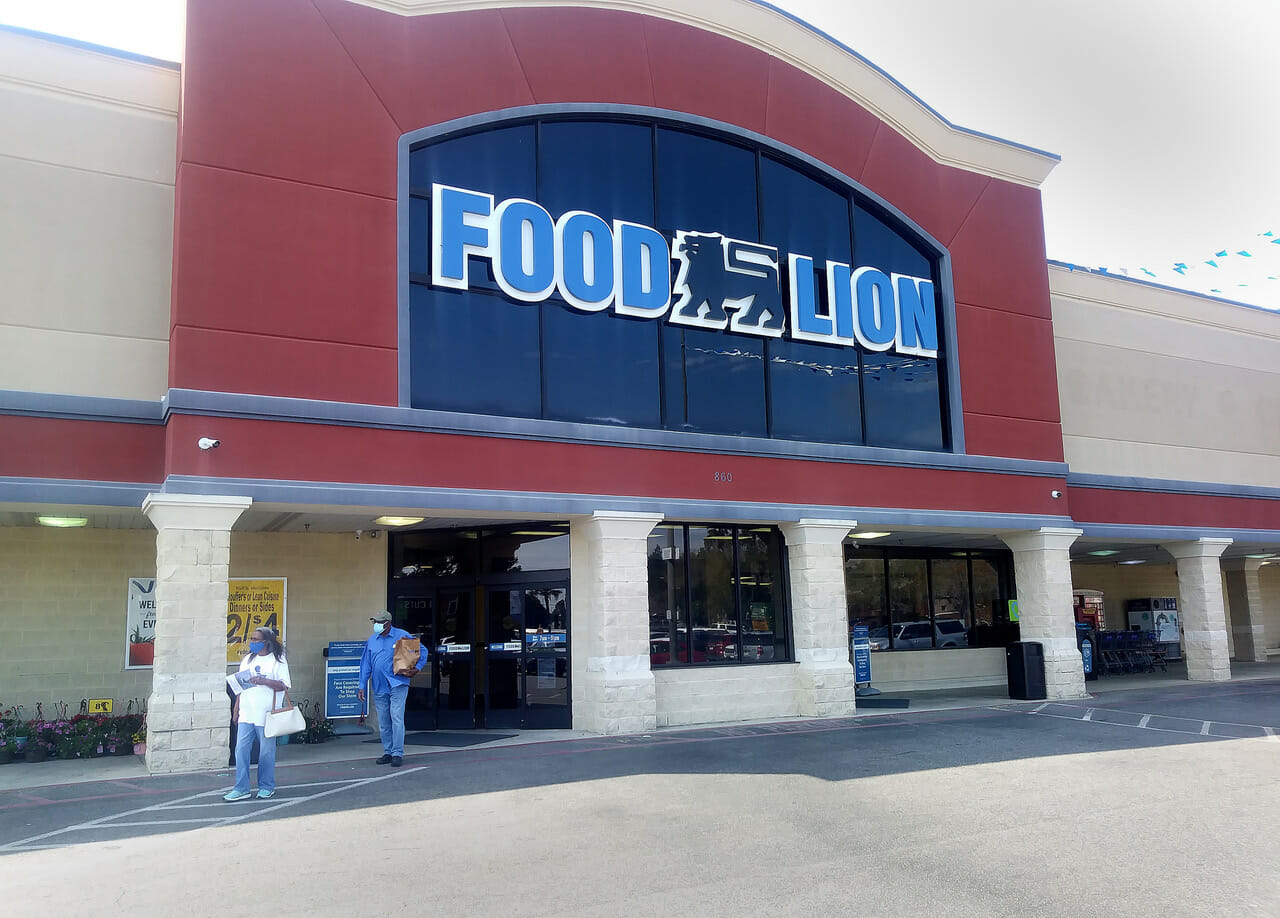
{"points": [[253, 604]]}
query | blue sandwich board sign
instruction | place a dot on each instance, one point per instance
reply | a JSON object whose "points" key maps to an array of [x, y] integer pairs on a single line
{"points": [[342, 679], [861, 655]]}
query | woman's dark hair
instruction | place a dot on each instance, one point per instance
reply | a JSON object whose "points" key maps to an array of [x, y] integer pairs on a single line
{"points": [[274, 645]]}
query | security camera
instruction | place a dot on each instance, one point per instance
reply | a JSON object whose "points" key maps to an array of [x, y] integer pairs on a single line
{"points": [[359, 532], [1055, 494], [208, 443]]}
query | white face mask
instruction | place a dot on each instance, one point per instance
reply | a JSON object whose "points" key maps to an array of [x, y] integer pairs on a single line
{"points": [[377, 627]]}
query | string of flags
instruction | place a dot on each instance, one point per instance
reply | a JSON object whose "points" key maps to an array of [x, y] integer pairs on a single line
{"points": [[1225, 272]]}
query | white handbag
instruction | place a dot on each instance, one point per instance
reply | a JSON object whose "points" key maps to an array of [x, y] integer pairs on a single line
{"points": [[285, 720]]}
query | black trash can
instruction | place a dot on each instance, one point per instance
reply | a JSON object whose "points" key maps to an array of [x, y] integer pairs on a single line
{"points": [[1025, 660]]}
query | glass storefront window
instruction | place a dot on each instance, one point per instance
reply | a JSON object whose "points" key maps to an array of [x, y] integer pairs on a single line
{"points": [[536, 547], [991, 625], [909, 603], [731, 581], [864, 586], [435, 553], [668, 612], [935, 598], [711, 599], [760, 597], [951, 618]]}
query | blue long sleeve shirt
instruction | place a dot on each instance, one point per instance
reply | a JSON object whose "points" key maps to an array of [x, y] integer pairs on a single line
{"points": [[375, 662]]}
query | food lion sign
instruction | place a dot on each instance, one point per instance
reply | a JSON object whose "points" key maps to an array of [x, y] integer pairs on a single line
{"points": [[721, 282]]}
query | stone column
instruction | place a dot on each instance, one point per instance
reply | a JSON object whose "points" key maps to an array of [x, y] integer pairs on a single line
{"points": [[187, 713], [820, 616], [1244, 595], [1201, 609], [613, 689], [1042, 569]]}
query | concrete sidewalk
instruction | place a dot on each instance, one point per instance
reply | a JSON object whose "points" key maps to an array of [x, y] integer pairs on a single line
{"points": [[19, 775]]}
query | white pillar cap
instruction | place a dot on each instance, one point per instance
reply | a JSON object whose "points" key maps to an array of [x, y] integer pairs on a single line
{"points": [[1044, 539], [1200, 548], [208, 512], [818, 531]]}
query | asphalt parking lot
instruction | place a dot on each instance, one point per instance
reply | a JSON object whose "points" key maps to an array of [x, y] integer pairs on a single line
{"points": [[1147, 802]]}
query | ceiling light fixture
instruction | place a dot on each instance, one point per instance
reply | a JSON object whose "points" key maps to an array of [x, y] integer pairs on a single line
{"points": [[1137, 561], [1104, 553], [62, 522], [869, 535], [398, 520]]}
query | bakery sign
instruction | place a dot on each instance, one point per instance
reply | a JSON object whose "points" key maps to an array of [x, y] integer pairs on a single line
{"points": [[718, 283]]}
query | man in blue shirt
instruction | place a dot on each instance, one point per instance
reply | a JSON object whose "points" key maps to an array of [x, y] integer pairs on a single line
{"points": [[389, 689]]}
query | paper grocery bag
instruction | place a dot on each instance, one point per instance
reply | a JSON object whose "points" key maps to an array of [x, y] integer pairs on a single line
{"points": [[407, 652]]}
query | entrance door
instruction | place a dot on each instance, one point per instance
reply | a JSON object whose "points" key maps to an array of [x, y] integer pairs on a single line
{"points": [[499, 656], [455, 663], [526, 664]]}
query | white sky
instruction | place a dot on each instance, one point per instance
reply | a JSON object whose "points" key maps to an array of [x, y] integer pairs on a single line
{"points": [[1164, 111]]}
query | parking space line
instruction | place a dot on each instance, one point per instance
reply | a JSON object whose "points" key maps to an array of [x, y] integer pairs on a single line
{"points": [[1144, 723], [155, 822], [22, 843], [294, 801], [193, 801]]}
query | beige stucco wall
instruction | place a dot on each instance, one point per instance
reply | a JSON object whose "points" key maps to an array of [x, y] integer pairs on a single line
{"points": [[1158, 384], [63, 595], [62, 612], [87, 154], [335, 583]]}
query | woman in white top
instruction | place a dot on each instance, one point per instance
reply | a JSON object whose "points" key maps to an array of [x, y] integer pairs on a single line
{"points": [[270, 676]]}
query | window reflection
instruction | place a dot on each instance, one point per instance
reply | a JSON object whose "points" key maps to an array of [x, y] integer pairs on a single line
{"points": [[864, 584], [731, 580], [443, 553], [928, 599], [764, 629], [668, 613]]}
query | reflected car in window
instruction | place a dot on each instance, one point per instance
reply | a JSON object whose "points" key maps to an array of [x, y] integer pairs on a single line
{"points": [[757, 646], [660, 652]]}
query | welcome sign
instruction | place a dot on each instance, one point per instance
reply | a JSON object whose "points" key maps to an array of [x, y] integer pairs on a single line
{"points": [[720, 283]]}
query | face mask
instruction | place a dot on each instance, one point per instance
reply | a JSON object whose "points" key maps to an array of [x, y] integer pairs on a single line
{"points": [[256, 646], [377, 627]]}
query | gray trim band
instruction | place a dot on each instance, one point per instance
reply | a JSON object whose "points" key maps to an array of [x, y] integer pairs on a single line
{"points": [[64, 491], [80, 407], [951, 361], [278, 408], [1178, 533], [1170, 486], [553, 504]]}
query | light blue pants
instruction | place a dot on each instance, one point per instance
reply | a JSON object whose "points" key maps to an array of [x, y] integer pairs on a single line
{"points": [[266, 758], [391, 719]]}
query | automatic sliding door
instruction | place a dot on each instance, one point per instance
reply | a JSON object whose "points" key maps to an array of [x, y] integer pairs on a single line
{"points": [[503, 623], [455, 659], [546, 656]]}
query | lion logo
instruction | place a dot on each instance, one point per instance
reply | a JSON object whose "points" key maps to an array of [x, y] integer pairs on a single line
{"points": [[718, 274]]}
